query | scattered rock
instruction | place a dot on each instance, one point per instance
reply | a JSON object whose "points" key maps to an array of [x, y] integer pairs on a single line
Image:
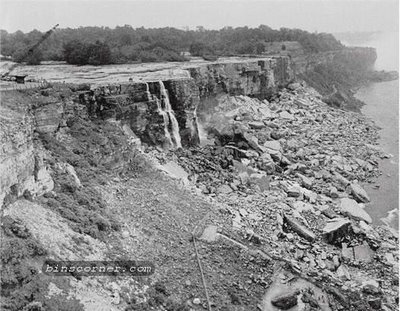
{"points": [[351, 208]]}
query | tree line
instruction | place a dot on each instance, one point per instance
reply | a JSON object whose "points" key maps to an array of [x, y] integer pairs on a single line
{"points": [[103, 45]]}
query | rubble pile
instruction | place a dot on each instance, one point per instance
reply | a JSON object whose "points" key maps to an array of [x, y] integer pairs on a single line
{"points": [[290, 171]]}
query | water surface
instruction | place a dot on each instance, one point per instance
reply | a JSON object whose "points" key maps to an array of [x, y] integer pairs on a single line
{"points": [[382, 105]]}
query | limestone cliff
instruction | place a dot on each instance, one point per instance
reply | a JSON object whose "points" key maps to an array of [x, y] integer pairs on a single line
{"points": [[21, 160], [135, 103]]}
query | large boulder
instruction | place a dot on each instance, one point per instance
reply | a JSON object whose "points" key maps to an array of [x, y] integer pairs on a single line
{"points": [[336, 229], [285, 301], [257, 125], [359, 193], [297, 227], [274, 148], [351, 208], [286, 115]]}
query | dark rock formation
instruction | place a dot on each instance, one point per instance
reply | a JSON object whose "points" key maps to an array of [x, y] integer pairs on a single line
{"points": [[285, 301]]}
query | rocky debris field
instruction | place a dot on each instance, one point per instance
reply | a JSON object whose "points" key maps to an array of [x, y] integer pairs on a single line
{"points": [[269, 217], [289, 172]]}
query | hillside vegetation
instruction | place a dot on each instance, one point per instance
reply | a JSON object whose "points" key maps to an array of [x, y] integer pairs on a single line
{"points": [[103, 45]]}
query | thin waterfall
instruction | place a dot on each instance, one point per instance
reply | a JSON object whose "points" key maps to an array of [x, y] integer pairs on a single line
{"points": [[149, 96], [169, 118]]}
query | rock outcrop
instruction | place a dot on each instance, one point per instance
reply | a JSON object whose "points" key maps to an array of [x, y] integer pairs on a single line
{"points": [[23, 171], [135, 103]]}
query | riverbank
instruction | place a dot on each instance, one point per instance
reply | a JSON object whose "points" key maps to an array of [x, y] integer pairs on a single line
{"points": [[382, 106], [291, 173]]}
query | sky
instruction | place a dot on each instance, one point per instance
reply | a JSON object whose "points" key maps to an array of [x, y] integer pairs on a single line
{"points": [[311, 15]]}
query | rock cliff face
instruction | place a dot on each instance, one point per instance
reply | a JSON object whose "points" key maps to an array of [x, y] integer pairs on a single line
{"points": [[359, 58], [136, 104], [21, 160], [335, 73], [141, 107]]}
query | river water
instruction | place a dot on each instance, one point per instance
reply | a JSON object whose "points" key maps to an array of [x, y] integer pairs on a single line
{"points": [[382, 105]]}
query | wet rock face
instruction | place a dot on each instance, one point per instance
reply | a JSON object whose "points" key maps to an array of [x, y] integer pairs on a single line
{"points": [[184, 98]]}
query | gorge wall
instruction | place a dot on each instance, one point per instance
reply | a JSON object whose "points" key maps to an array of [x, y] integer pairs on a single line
{"points": [[137, 104], [141, 108]]}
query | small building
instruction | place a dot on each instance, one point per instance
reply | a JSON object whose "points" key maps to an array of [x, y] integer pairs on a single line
{"points": [[20, 79]]}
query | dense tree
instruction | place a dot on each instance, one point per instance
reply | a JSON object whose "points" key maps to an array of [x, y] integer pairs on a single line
{"points": [[99, 45], [80, 53]]}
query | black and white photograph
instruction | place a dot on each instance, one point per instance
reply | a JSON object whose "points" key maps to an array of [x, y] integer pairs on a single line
{"points": [[182, 155]]}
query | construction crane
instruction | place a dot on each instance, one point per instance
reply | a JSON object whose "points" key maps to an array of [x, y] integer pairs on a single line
{"points": [[21, 79]]}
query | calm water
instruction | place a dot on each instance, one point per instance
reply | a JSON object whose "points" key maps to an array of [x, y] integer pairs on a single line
{"points": [[382, 105]]}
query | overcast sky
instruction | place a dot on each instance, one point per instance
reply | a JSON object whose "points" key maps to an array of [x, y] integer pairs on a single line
{"points": [[311, 15]]}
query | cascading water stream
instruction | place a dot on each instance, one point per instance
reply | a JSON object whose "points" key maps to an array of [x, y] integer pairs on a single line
{"points": [[171, 126], [169, 118]]}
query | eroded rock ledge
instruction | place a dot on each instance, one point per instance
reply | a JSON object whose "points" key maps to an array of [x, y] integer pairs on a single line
{"points": [[131, 103]]}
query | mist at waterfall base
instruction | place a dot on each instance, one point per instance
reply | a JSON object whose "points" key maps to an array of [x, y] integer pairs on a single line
{"points": [[382, 105]]}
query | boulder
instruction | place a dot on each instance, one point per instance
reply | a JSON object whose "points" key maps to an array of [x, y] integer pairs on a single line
{"points": [[294, 86], [342, 180], [257, 125], [210, 234], [291, 189], [336, 229], [266, 163], [343, 273], [224, 189], [273, 145], [300, 229], [305, 181], [371, 288], [363, 253], [261, 180], [333, 192], [286, 115], [351, 208], [302, 103], [359, 193], [347, 252], [274, 148], [252, 141], [285, 301]]}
